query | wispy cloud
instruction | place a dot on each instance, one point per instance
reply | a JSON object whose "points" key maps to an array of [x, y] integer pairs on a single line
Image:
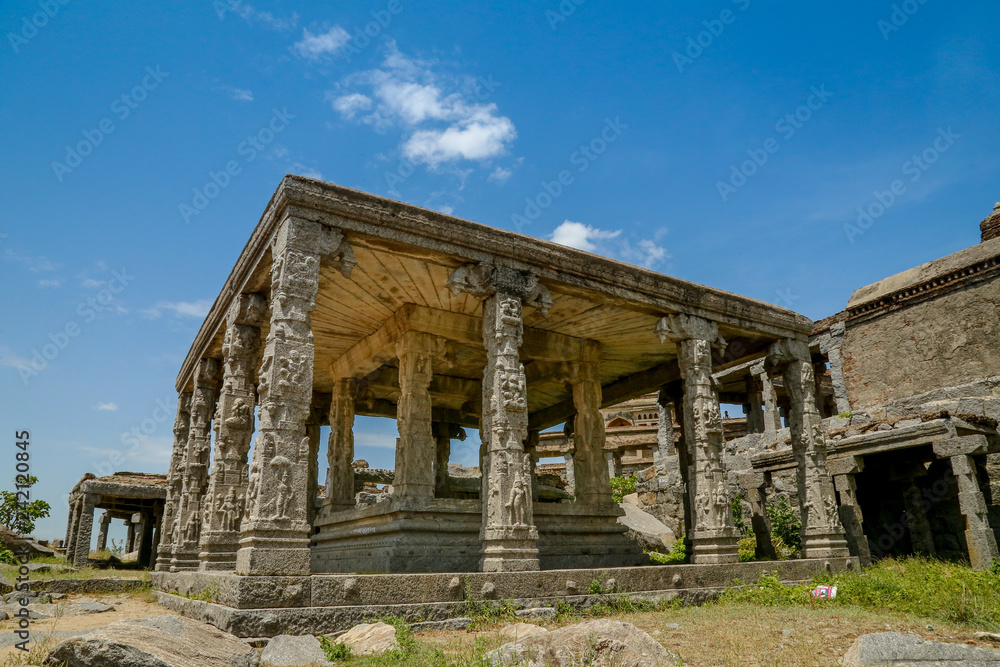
{"points": [[109, 407], [33, 263], [11, 359], [238, 94], [198, 308], [439, 118], [256, 17], [309, 172], [581, 236], [500, 175], [54, 282], [645, 252], [319, 46]]}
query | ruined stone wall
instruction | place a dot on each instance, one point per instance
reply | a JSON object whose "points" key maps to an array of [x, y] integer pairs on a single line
{"points": [[942, 342]]}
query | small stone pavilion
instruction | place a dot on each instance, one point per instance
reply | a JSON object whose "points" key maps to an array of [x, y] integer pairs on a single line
{"points": [[137, 498], [343, 303]]}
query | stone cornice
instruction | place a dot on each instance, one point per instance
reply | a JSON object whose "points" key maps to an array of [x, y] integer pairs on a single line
{"points": [[367, 215], [928, 289]]}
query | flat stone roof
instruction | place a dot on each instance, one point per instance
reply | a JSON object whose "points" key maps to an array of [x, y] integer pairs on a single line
{"points": [[937, 270], [405, 255]]}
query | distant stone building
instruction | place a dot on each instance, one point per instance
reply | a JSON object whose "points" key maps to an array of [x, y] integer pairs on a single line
{"points": [[908, 384]]}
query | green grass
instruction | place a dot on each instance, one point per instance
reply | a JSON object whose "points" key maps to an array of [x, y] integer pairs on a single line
{"points": [[913, 586]]}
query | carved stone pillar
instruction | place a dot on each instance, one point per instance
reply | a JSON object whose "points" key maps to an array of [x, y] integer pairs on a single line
{"points": [[822, 532], [593, 485], [979, 535], [664, 447], [713, 536], [772, 414], [674, 393], [830, 346], [754, 484], [443, 433], [843, 469], [102, 532], [508, 532], [313, 425], [182, 423], [144, 540], [416, 446], [194, 474], [74, 517], [233, 427], [754, 408], [275, 529], [84, 530], [570, 472], [157, 533], [129, 536], [340, 446]]}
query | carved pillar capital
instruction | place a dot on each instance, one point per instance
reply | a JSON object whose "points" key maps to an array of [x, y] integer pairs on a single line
{"points": [[484, 280], [681, 327]]}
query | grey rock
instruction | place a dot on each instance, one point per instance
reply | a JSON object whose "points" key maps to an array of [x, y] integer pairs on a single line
{"points": [[600, 643], [460, 623], [537, 612], [88, 608], [646, 530], [156, 641], [4, 616], [370, 638], [516, 631], [42, 568], [892, 649], [289, 651]]}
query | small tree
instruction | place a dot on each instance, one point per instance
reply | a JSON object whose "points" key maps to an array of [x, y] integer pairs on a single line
{"points": [[18, 515]]}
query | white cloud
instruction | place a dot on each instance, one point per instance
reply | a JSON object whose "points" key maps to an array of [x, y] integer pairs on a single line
{"points": [[447, 210], [198, 308], [581, 236], [500, 175], [110, 407], [151, 452], [438, 118], [308, 172], [349, 105], [11, 359], [478, 138], [241, 95], [645, 252], [34, 263], [55, 282], [322, 45], [267, 19]]}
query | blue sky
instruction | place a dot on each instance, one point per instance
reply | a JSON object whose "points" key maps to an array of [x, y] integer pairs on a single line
{"points": [[723, 142]]}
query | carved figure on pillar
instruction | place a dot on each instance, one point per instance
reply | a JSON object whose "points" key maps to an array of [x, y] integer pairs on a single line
{"points": [[182, 423], [822, 533], [508, 532], [276, 529], [194, 474], [233, 427], [712, 534]]}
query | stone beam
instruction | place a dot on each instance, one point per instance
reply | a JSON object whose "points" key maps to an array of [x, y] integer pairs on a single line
{"points": [[612, 393], [374, 351]]}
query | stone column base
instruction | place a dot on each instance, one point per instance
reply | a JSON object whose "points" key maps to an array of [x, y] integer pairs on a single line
{"points": [[983, 549], [825, 545], [273, 561], [510, 550], [219, 551], [714, 546]]}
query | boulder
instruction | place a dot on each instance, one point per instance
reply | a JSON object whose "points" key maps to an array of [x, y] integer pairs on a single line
{"points": [[87, 608], [600, 643], [516, 631], [289, 651], [370, 638], [646, 530], [632, 499], [156, 641], [894, 649]]}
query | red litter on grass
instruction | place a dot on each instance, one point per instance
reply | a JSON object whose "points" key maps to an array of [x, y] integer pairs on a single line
{"points": [[824, 592]]}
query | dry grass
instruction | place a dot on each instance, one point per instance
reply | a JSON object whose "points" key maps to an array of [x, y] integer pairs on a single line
{"points": [[9, 572]]}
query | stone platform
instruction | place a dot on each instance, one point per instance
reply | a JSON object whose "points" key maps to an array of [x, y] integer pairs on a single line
{"points": [[442, 535], [262, 606]]}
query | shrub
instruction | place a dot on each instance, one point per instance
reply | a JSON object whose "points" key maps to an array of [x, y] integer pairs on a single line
{"points": [[677, 555], [785, 523], [622, 486], [333, 651]]}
